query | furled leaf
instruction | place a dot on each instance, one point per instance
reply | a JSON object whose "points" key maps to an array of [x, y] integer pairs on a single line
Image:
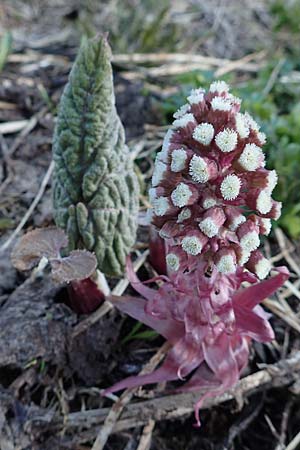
{"points": [[95, 190], [35, 244], [80, 264]]}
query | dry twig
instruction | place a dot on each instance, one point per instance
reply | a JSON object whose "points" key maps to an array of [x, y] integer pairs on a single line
{"points": [[124, 399]]}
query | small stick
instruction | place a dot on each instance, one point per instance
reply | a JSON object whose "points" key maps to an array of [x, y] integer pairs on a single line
{"points": [[146, 437], [124, 399], [294, 442]]}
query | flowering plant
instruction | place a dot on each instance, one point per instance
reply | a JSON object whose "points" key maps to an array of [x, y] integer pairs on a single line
{"points": [[211, 197]]}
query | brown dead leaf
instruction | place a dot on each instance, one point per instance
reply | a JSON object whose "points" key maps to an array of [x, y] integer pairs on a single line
{"points": [[80, 264], [35, 244]]}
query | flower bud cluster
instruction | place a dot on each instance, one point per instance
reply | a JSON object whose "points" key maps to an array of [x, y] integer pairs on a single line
{"points": [[211, 193]]}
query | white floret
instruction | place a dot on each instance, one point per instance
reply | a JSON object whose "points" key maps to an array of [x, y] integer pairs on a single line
{"points": [[208, 227], [163, 154], [184, 120], [262, 268], [219, 87], [250, 241], [251, 122], [236, 222], [179, 157], [161, 206], [230, 187], [196, 96], [199, 170], [251, 158], [181, 195], [209, 202], [191, 245], [158, 174], [267, 224], [221, 104], [264, 202], [226, 264], [149, 215], [245, 256], [226, 140], [241, 126], [272, 180], [184, 214], [152, 195], [204, 133], [181, 111], [261, 137], [172, 261]]}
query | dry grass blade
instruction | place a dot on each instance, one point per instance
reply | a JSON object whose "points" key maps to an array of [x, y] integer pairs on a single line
{"points": [[146, 437], [30, 209], [282, 242], [294, 443]]}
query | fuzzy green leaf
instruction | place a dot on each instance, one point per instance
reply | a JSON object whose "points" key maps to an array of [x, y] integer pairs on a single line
{"points": [[95, 190]]}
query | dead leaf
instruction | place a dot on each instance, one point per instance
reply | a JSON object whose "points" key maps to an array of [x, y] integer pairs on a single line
{"points": [[80, 264], [35, 244]]}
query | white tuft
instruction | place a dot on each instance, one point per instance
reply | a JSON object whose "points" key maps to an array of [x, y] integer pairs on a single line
{"points": [[208, 227], [262, 268], [209, 202], [191, 245], [196, 96], [181, 195], [251, 122], [204, 133], [251, 158], [261, 137], [226, 140], [184, 215], [264, 202], [234, 100], [179, 157], [250, 241], [236, 222], [226, 264], [245, 255], [267, 224], [181, 111], [199, 169], [159, 171], [184, 120], [149, 215], [152, 195], [219, 87], [161, 206], [272, 180], [163, 154], [221, 104], [230, 187], [172, 261], [241, 126]]}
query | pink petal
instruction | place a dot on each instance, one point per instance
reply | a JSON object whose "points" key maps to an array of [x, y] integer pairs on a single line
{"points": [[167, 372], [146, 292], [135, 307], [253, 295], [251, 324]]}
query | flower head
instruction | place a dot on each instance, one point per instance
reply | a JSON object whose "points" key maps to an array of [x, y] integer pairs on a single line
{"points": [[213, 177], [211, 201]]}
